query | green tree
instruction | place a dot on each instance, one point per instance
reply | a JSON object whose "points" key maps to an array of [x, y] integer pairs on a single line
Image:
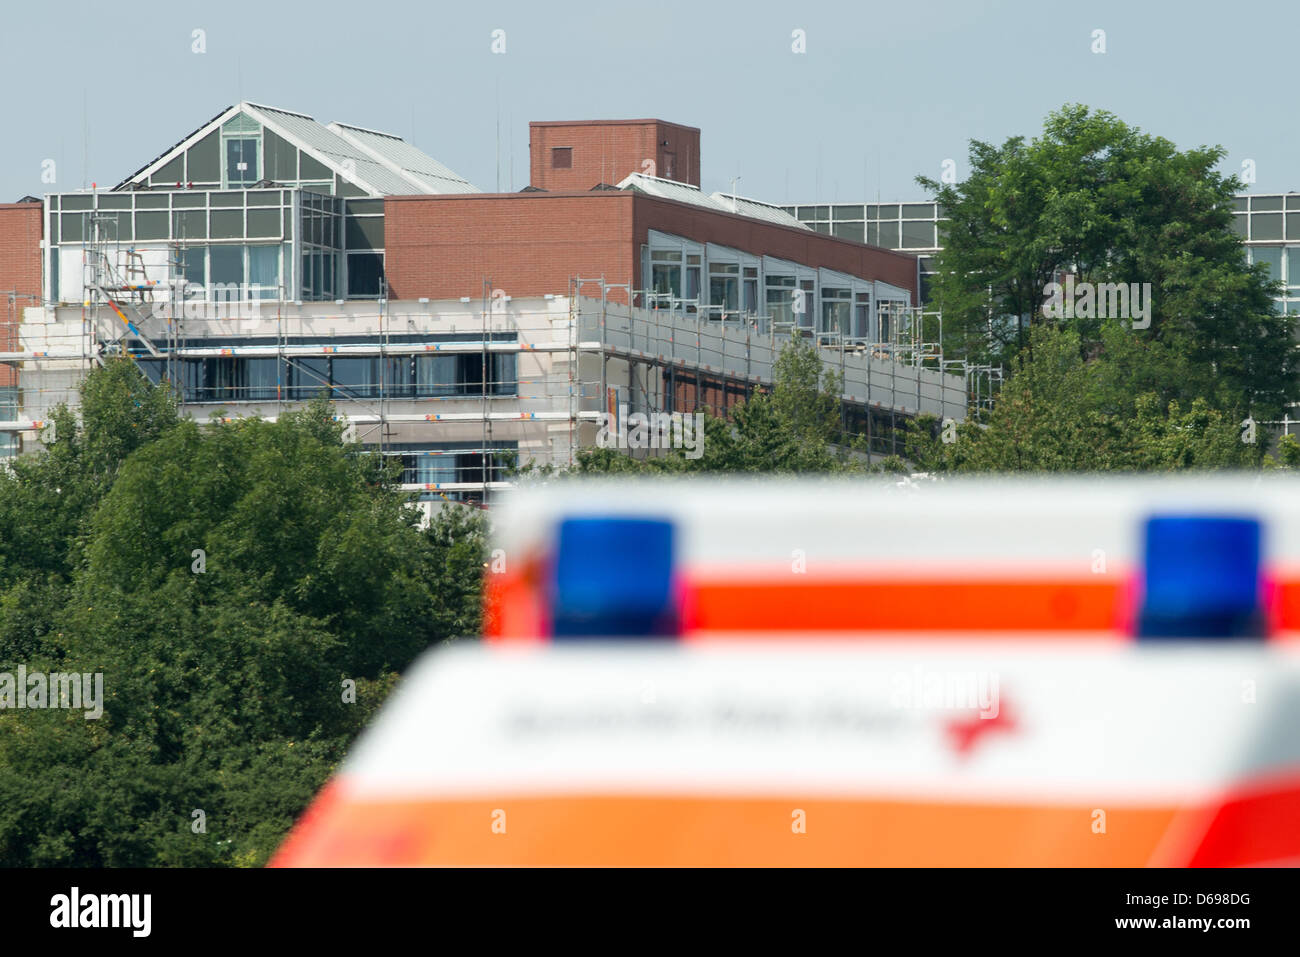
{"points": [[1108, 203], [249, 592], [1060, 412]]}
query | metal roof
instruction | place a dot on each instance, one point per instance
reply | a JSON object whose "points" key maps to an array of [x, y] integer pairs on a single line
{"points": [[670, 189], [403, 158], [722, 202], [743, 206], [396, 169]]}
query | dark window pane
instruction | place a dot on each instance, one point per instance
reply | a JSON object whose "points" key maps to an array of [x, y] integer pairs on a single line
{"points": [[190, 224], [313, 169], [227, 224], [280, 158], [171, 173], [264, 222], [364, 273], [72, 229], [227, 264], [150, 225], [918, 235], [1267, 226], [853, 231], [241, 161], [310, 377], [204, 160], [562, 157], [365, 232]]}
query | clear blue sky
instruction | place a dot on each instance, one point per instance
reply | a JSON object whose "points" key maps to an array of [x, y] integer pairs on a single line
{"points": [[884, 92]]}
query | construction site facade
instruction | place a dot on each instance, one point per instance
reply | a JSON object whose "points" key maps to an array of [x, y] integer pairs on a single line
{"points": [[267, 259]]}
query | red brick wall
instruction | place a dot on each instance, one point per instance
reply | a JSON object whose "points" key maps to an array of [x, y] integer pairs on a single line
{"points": [[21, 229], [443, 247], [606, 151]]}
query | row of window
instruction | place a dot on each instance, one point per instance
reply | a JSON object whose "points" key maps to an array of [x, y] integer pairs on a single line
{"points": [[1256, 227], [744, 287], [256, 379], [443, 463]]}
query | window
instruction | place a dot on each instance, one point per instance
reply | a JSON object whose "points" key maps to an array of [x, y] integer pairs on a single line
{"points": [[724, 287], [226, 265], [435, 375], [264, 272], [1266, 226], [365, 274], [836, 309], [862, 316], [805, 304], [355, 376], [562, 157], [692, 279], [666, 272], [1270, 255], [780, 298], [241, 161], [310, 377], [918, 235]]}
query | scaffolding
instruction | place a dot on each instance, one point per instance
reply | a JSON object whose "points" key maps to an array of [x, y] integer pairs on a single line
{"points": [[529, 380]]}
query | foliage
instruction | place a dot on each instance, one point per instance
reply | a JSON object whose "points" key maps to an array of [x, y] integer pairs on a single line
{"points": [[223, 681], [1102, 200]]}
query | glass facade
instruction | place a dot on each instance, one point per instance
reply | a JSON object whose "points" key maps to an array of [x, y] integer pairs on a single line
{"points": [[241, 205], [1268, 224], [762, 289], [294, 378]]}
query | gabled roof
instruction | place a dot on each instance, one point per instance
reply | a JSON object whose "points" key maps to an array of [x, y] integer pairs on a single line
{"points": [[340, 148], [403, 158], [723, 202]]}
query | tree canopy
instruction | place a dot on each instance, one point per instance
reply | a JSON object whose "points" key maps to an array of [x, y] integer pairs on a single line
{"points": [[1106, 203], [249, 592]]}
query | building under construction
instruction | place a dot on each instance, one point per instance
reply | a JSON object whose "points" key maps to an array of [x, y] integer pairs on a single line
{"points": [[266, 259]]}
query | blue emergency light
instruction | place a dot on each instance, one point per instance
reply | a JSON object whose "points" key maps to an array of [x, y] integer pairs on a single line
{"points": [[1201, 578], [614, 577]]}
